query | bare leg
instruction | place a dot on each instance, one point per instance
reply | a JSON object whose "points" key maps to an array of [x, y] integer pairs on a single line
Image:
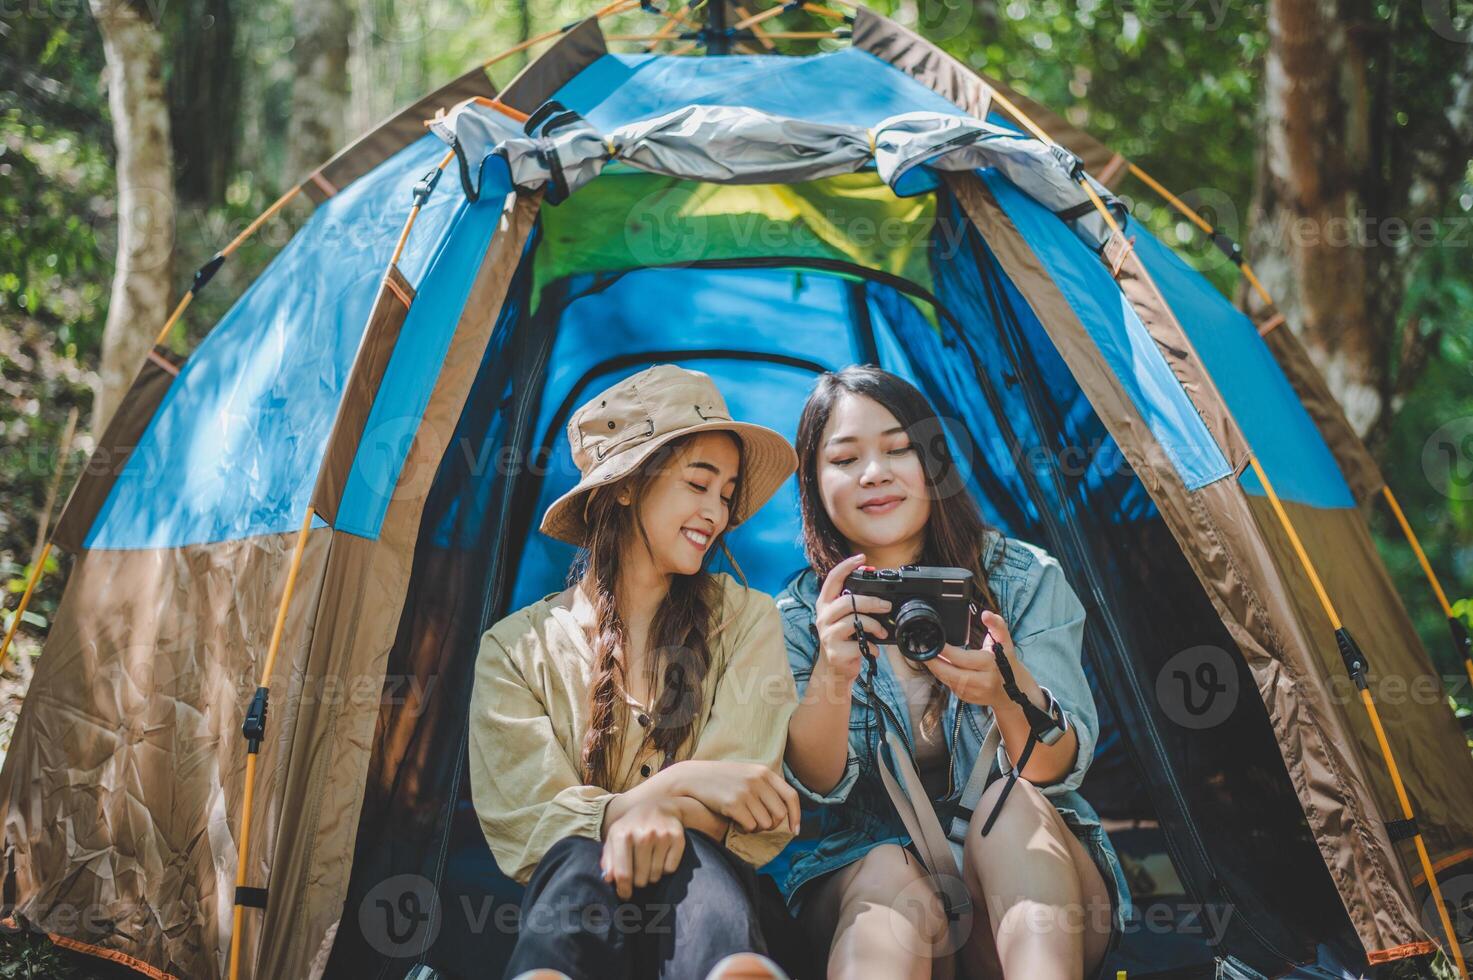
{"points": [[1041, 905], [883, 915]]}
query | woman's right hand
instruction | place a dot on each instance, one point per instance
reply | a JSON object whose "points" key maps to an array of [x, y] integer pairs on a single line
{"points": [[643, 846], [748, 794], [838, 645]]}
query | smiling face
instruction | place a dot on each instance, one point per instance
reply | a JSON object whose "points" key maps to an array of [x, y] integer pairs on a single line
{"points": [[871, 481], [686, 504]]}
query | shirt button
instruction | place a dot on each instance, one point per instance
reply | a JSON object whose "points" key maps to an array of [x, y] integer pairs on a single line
{"points": [[644, 770], [644, 720]]}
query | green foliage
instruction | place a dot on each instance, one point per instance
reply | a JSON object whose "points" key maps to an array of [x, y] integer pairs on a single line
{"points": [[1172, 84], [29, 956]]}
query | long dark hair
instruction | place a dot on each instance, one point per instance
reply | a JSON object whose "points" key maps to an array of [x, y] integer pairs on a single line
{"points": [[678, 646], [956, 534]]}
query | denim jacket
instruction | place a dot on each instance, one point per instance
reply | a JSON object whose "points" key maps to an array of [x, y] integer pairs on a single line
{"points": [[1046, 620]]}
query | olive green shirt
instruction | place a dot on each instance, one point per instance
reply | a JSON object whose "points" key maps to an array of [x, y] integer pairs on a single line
{"points": [[530, 710]]}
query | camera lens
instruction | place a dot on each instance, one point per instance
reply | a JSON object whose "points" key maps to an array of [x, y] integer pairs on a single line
{"points": [[918, 630]]}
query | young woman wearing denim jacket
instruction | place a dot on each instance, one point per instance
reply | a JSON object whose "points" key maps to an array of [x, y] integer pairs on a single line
{"points": [[1046, 886]]}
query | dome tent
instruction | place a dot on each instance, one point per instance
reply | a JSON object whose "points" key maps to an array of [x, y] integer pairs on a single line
{"points": [[336, 492]]}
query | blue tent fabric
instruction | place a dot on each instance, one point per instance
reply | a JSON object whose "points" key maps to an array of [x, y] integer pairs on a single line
{"points": [[1273, 419], [235, 446], [413, 367], [240, 435], [1122, 339], [846, 86], [681, 316]]}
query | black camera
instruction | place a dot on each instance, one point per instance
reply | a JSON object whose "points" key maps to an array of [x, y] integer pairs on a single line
{"points": [[929, 606]]}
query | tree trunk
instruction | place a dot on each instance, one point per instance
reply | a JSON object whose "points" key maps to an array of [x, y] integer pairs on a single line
{"points": [[1308, 243], [1346, 192], [145, 173], [320, 83]]}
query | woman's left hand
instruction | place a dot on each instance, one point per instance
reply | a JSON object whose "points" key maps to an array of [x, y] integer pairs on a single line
{"points": [[972, 673]]}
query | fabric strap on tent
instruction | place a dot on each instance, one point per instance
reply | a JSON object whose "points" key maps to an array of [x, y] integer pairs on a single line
{"points": [[558, 149]]}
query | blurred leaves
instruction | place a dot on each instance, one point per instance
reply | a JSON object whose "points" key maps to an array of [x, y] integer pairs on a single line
{"points": [[1172, 84]]}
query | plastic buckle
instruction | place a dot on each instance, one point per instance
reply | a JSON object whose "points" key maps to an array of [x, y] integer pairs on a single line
{"points": [[254, 726], [426, 186]]}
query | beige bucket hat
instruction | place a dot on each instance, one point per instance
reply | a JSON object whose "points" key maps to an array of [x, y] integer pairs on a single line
{"points": [[621, 426]]}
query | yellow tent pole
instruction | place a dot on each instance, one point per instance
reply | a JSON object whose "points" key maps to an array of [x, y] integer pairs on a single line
{"points": [[206, 272], [608, 10], [1355, 663], [1462, 643], [25, 599], [254, 729]]}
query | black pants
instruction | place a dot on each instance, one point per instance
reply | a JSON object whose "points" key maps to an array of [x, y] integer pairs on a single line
{"points": [[678, 927]]}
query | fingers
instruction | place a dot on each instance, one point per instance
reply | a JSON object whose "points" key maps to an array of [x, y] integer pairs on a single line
{"points": [[788, 800], [833, 583], [741, 813], [844, 606], [766, 806], [948, 674], [965, 657], [646, 847], [997, 628], [843, 628], [619, 864], [674, 853], [795, 807]]}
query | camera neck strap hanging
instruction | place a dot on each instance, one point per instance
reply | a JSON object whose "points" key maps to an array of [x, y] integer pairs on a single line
{"points": [[1040, 723]]}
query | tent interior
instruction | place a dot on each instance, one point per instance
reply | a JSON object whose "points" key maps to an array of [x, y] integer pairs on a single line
{"points": [[763, 287]]}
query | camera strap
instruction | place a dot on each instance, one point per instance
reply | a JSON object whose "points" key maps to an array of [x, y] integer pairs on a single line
{"points": [[938, 856]]}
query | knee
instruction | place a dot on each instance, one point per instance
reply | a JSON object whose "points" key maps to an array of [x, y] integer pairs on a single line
{"points": [[1025, 812], [706, 866], [571, 862], [890, 876]]}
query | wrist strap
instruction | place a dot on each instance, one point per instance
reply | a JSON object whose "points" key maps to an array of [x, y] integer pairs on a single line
{"points": [[1040, 722]]}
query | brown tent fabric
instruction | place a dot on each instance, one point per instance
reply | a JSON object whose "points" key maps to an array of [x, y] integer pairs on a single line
{"points": [[127, 766], [379, 337], [569, 54], [1409, 692], [318, 808], [118, 440], [1226, 546]]}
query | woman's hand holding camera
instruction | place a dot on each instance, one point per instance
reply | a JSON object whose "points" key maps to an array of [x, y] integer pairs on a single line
{"points": [[972, 674], [748, 794], [838, 645]]}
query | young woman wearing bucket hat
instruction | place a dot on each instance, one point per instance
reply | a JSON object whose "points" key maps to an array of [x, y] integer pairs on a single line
{"points": [[1015, 875], [627, 733]]}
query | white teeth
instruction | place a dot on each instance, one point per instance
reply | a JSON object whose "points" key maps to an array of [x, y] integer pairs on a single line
{"points": [[695, 537]]}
